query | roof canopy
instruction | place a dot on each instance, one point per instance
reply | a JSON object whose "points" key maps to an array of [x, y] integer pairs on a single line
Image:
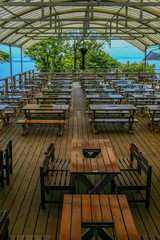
{"points": [[27, 22]]}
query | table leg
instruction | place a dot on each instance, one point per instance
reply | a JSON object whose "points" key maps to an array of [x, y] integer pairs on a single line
{"points": [[100, 185], [3, 117]]}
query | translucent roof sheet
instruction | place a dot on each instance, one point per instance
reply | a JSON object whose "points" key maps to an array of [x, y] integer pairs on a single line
{"points": [[24, 23]]}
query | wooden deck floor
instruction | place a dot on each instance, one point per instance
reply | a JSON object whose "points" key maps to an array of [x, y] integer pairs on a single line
{"points": [[22, 197]]}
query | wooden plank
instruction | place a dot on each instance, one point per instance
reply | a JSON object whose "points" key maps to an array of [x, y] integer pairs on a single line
{"points": [[65, 231], [73, 157], [80, 157], [117, 218], [76, 218], [96, 211], [128, 220], [105, 156], [86, 209], [106, 211]]}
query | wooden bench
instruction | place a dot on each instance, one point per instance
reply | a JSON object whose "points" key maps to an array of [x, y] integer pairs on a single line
{"points": [[130, 179], [4, 231], [115, 120], [6, 163], [25, 122], [54, 175]]}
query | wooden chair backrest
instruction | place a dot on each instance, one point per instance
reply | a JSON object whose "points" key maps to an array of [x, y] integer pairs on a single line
{"points": [[8, 151], [48, 158], [143, 164], [4, 223], [1, 162], [134, 153]]}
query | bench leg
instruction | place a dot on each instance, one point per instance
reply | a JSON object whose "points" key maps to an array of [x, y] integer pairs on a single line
{"points": [[130, 127], [60, 129], [156, 127], [24, 127], [94, 127]]}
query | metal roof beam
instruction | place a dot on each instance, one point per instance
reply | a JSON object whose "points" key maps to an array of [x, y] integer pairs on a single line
{"points": [[81, 3], [81, 28], [79, 19]]}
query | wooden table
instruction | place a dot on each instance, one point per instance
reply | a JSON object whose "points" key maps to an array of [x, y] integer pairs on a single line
{"points": [[137, 90], [99, 90], [41, 108], [59, 85], [8, 98], [92, 157], [2, 112], [96, 212], [56, 91], [53, 97], [153, 119], [141, 100], [99, 98], [112, 110]]}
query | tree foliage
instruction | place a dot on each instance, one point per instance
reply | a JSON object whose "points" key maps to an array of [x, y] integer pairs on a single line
{"points": [[62, 55], [4, 57], [65, 55]]}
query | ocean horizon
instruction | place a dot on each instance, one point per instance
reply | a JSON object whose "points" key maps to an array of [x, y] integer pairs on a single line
{"points": [[30, 64]]}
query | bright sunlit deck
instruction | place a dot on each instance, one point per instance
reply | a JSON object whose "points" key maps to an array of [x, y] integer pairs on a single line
{"points": [[22, 197]]}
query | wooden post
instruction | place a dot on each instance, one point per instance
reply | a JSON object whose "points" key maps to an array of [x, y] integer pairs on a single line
{"points": [[72, 75], [116, 73], [20, 80], [94, 73], [14, 81], [6, 84], [53, 75]]}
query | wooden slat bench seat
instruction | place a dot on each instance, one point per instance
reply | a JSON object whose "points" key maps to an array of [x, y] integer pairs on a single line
{"points": [[133, 180], [113, 120], [54, 175], [108, 112], [46, 112], [4, 231], [25, 122]]}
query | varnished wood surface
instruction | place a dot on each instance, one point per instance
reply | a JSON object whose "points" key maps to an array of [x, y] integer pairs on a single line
{"points": [[22, 197], [115, 206]]}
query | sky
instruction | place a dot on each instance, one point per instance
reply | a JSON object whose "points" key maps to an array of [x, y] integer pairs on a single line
{"points": [[119, 49]]}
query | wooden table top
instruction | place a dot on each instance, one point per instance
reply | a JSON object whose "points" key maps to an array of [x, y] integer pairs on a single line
{"points": [[3, 107], [90, 211], [82, 160], [155, 107], [104, 96], [112, 107], [146, 96], [57, 90], [15, 91], [6, 97], [138, 90], [99, 90], [64, 107], [52, 97]]}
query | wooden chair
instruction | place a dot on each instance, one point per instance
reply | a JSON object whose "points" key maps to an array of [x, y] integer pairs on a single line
{"points": [[54, 175], [129, 163], [8, 158], [4, 233], [6, 163], [1, 169], [131, 176]]}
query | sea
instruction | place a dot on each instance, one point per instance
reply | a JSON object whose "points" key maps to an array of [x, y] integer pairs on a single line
{"points": [[30, 64]]}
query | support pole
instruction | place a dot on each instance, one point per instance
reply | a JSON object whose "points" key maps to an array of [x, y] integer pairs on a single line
{"points": [[10, 52], [145, 59], [21, 61]]}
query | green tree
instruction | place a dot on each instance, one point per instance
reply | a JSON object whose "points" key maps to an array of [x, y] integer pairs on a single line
{"points": [[4, 57]]}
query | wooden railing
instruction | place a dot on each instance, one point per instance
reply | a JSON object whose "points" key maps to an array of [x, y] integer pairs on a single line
{"points": [[20, 78], [16, 79]]}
